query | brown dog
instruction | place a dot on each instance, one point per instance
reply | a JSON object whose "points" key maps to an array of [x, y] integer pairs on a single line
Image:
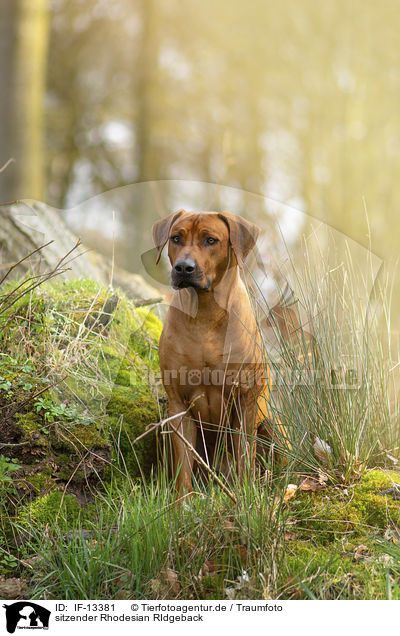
{"points": [[210, 354]]}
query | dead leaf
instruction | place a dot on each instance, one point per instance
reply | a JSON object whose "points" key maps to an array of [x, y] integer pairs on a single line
{"points": [[243, 581], [209, 568], [392, 459], [166, 582], [360, 552], [392, 533], [123, 594], [309, 484], [293, 587], [230, 593], [290, 536], [242, 551], [339, 476], [290, 492], [173, 579], [323, 478]]}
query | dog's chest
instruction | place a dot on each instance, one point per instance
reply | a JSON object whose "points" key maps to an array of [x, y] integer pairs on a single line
{"points": [[193, 344]]}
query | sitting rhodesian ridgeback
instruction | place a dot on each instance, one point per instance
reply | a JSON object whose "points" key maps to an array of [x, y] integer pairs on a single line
{"points": [[210, 355]]}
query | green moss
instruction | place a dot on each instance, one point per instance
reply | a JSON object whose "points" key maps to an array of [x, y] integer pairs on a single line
{"points": [[63, 459], [41, 481], [329, 515], [330, 526], [324, 520], [106, 376], [374, 509], [374, 481], [150, 321], [111, 360], [305, 558], [123, 378], [133, 409], [32, 425], [330, 573], [211, 586], [55, 508], [79, 435], [45, 510]]}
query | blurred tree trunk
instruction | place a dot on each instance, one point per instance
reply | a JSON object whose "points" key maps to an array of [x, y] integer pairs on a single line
{"points": [[23, 54], [146, 97]]}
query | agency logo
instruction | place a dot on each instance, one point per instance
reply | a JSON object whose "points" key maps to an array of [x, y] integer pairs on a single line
{"points": [[26, 615]]}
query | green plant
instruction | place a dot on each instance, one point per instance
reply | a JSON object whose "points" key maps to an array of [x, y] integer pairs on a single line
{"points": [[333, 384], [53, 411], [8, 563], [7, 466], [5, 385]]}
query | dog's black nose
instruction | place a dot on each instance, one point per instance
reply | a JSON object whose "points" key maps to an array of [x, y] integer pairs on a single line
{"points": [[185, 266]]}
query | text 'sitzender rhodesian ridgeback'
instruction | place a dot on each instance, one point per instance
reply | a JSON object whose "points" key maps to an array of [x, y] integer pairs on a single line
{"points": [[210, 354]]}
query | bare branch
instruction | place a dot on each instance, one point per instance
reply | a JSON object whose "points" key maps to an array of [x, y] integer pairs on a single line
{"points": [[148, 301], [7, 163], [14, 265]]}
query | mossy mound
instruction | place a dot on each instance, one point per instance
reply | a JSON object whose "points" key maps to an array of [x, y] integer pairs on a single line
{"points": [[337, 537], [45, 510], [78, 383], [335, 513]]}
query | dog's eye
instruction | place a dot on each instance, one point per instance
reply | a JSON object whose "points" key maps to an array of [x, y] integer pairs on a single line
{"points": [[176, 238], [211, 241]]}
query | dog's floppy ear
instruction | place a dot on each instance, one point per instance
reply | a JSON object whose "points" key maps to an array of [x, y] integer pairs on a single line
{"points": [[243, 235], [161, 231]]}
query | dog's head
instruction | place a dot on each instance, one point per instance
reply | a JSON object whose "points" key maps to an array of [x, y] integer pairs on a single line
{"points": [[203, 245]]}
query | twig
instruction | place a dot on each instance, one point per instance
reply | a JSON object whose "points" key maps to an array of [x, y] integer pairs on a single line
{"points": [[148, 301], [14, 265], [3, 444], [62, 259], [14, 290], [6, 204], [153, 427], [45, 278], [7, 163]]}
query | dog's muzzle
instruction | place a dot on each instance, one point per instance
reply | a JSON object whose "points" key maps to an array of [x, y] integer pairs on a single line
{"points": [[185, 274]]}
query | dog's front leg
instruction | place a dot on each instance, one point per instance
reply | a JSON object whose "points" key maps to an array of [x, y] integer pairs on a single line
{"points": [[183, 458]]}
